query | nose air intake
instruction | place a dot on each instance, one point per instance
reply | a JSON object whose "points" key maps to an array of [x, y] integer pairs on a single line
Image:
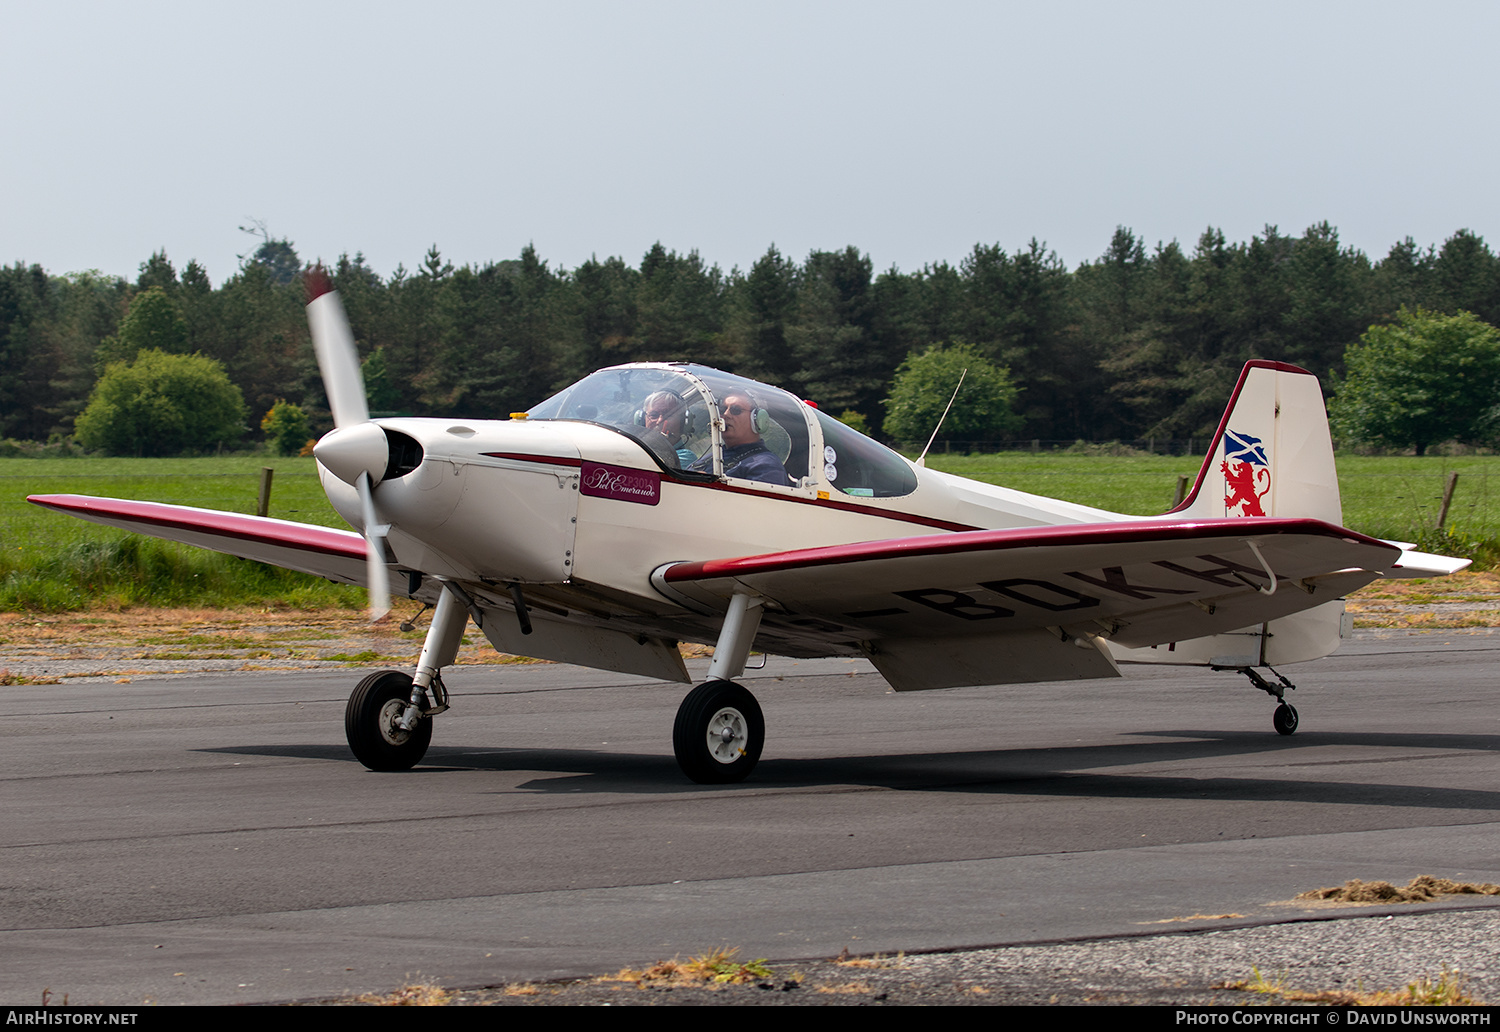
{"points": [[405, 454]]}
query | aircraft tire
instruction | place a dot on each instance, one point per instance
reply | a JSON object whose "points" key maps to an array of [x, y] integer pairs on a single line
{"points": [[369, 723], [719, 733], [1285, 719]]}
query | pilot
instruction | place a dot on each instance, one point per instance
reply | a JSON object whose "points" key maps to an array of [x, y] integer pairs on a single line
{"points": [[745, 454], [666, 413]]}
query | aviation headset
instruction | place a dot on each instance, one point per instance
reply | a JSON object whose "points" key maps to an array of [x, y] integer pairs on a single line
{"points": [[760, 419], [688, 428]]}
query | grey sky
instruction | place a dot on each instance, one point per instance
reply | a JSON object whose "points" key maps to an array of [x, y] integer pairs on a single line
{"points": [[912, 132]]}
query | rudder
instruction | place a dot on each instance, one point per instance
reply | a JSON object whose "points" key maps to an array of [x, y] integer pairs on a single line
{"points": [[1272, 454]]}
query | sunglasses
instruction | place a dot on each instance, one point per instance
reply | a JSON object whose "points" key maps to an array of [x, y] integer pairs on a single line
{"points": [[737, 410]]}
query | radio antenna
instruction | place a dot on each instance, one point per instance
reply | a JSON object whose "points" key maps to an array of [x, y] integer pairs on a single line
{"points": [[922, 459]]}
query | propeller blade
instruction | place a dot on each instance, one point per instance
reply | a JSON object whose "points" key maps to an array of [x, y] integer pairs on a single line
{"points": [[380, 584], [357, 450], [375, 533], [338, 359]]}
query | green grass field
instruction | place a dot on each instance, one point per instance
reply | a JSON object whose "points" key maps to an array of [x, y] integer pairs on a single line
{"points": [[53, 563]]}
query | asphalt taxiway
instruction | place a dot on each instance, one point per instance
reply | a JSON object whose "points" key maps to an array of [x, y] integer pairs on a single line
{"points": [[207, 838]]}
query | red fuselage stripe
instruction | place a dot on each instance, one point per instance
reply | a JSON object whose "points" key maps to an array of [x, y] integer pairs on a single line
{"points": [[829, 503], [546, 460], [825, 503]]}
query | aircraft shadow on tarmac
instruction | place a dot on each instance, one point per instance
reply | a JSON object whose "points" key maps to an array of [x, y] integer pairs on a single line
{"points": [[1059, 771]]}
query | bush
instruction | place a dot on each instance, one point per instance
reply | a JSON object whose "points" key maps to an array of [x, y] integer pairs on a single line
{"points": [[854, 421], [925, 382], [286, 428], [160, 405]]}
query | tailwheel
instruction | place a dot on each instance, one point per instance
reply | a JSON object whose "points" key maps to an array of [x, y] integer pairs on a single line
{"points": [[1285, 719], [370, 723], [719, 733]]}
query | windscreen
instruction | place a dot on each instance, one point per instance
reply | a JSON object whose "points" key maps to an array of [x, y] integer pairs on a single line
{"points": [[659, 407]]}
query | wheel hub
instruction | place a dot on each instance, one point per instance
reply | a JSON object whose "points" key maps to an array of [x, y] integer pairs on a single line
{"points": [[389, 714], [727, 735]]}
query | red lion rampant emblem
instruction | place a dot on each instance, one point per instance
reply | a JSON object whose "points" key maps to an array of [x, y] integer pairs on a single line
{"points": [[1247, 475]]}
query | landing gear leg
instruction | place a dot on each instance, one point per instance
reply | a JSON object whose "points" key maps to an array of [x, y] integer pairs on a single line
{"points": [[1284, 720], [720, 731], [388, 721]]}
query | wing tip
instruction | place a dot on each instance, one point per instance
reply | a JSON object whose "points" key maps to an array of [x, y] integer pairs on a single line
{"points": [[54, 501]]}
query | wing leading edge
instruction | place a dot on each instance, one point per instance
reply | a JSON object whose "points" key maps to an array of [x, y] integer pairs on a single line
{"points": [[338, 555], [1032, 604]]}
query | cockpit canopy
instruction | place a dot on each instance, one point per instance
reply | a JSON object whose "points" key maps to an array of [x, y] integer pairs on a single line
{"points": [[698, 422]]}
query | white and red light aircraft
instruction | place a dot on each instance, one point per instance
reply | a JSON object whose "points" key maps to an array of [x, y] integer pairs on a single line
{"points": [[656, 503]]}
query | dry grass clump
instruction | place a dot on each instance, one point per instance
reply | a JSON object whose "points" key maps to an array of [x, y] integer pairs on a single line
{"points": [[715, 967], [260, 635], [1420, 889], [1446, 990], [1466, 599], [8, 678], [415, 995]]}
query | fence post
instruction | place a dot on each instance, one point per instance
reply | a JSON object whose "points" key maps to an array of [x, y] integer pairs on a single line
{"points": [[263, 506], [1447, 499], [1181, 492]]}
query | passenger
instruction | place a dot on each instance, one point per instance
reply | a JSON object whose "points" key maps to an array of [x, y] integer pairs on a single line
{"points": [[666, 413], [745, 454]]}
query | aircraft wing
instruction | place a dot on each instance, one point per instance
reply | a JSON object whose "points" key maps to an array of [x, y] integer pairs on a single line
{"points": [[1028, 604], [338, 555]]}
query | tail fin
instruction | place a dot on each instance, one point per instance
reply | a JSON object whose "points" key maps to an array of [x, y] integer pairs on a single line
{"points": [[1272, 455]]}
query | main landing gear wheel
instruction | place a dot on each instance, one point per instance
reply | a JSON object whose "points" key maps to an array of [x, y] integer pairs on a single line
{"points": [[719, 733], [370, 723], [1285, 719]]}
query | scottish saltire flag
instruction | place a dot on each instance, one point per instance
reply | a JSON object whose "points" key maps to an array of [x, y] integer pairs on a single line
{"points": [[1244, 448], [1247, 474]]}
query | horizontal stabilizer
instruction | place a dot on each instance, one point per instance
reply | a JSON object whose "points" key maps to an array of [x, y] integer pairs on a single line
{"points": [[1424, 564]]}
